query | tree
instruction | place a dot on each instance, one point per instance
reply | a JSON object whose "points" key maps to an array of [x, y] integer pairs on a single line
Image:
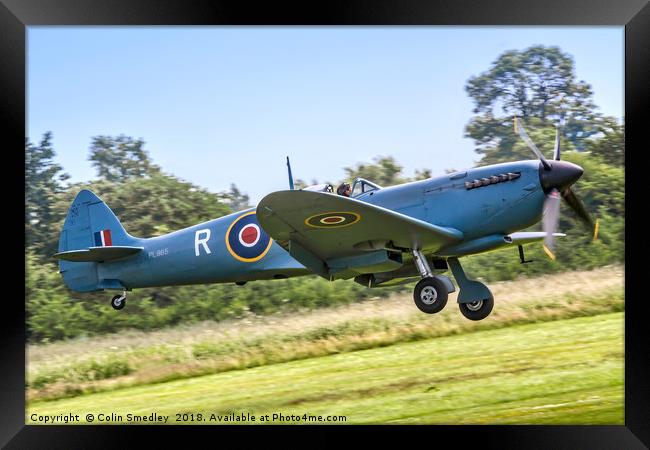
{"points": [[236, 199], [300, 183], [537, 84], [43, 180], [146, 200], [152, 206], [611, 146], [385, 172], [423, 174], [120, 158], [511, 147]]}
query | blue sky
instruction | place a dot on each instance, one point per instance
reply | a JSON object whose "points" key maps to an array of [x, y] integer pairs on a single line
{"points": [[221, 105]]}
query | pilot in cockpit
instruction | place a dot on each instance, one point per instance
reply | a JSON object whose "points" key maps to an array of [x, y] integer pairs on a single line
{"points": [[344, 189]]}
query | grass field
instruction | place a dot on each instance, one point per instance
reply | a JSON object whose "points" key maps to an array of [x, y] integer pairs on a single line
{"points": [[82, 366], [550, 352], [567, 371]]}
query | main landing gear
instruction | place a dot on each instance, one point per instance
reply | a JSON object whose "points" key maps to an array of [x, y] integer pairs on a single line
{"points": [[475, 300], [119, 301], [431, 292]]}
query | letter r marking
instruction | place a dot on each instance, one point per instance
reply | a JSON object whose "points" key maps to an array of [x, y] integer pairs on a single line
{"points": [[202, 241]]}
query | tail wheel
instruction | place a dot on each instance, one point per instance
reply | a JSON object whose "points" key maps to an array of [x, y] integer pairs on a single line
{"points": [[430, 295], [118, 302], [477, 310]]}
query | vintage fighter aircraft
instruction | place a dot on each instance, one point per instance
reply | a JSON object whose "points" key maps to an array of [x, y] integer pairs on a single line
{"points": [[378, 236]]}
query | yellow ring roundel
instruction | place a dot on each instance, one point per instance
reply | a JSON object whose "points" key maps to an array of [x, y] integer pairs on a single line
{"points": [[332, 219], [246, 240]]}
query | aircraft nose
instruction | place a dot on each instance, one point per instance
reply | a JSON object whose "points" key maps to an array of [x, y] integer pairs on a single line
{"points": [[562, 175]]}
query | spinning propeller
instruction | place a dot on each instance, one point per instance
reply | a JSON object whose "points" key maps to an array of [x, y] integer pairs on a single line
{"points": [[556, 177]]}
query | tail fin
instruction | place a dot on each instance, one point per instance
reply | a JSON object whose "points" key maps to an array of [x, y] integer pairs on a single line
{"points": [[90, 223]]}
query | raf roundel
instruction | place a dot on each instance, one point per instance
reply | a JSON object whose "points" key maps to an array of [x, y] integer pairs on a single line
{"points": [[332, 219], [246, 240], [249, 235]]}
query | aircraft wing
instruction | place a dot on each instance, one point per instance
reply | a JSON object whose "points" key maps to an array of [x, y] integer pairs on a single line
{"points": [[324, 231]]}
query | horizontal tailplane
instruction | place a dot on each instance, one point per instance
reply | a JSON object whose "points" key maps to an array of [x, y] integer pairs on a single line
{"points": [[98, 254]]}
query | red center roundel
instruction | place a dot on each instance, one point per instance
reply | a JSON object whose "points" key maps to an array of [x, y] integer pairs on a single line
{"points": [[249, 234]]}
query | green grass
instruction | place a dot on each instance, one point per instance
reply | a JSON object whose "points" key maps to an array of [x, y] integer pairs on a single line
{"points": [[82, 366], [557, 372]]}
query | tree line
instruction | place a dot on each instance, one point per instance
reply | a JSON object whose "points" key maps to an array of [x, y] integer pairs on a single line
{"points": [[537, 84]]}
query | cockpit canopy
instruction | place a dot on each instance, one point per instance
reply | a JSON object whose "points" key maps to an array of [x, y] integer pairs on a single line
{"points": [[320, 188], [359, 187], [363, 186]]}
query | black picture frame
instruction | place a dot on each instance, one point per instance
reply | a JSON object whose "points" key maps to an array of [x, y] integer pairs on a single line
{"points": [[16, 15]]}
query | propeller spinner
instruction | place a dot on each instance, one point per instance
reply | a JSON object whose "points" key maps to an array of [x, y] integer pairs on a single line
{"points": [[556, 178]]}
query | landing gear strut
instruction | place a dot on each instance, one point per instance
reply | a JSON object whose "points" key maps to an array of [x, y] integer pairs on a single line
{"points": [[119, 301], [430, 293]]}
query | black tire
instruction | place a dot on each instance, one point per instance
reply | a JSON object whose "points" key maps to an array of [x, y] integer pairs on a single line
{"points": [[118, 305], [478, 310], [430, 295]]}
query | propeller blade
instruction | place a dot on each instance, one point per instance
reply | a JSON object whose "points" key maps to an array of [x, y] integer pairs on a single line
{"points": [[578, 207], [519, 128], [596, 230], [551, 220], [556, 149]]}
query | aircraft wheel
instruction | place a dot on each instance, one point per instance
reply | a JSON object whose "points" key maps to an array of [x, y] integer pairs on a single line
{"points": [[118, 302], [477, 310], [430, 295]]}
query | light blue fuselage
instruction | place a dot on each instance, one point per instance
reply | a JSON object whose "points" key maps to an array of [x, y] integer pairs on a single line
{"points": [[483, 214]]}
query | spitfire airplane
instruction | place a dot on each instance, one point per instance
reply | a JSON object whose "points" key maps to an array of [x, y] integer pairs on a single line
{"points": [[379, 236]]}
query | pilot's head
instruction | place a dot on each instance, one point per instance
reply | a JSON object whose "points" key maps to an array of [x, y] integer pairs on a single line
{"points": [[344, 189]]}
